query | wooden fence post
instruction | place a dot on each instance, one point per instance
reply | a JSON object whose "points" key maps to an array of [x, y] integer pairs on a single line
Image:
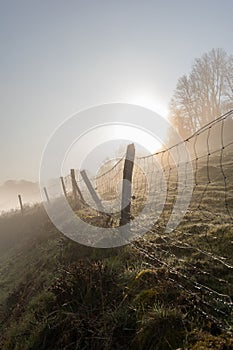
{"points": [[21, 203], [46, 195], [76, 189], [63, 186], [127, 185], [92, 191]]}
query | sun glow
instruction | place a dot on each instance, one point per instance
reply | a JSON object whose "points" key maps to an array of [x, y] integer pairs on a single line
{"points": [[148, 101], [105, 134], [137, 136], [119, 124]]}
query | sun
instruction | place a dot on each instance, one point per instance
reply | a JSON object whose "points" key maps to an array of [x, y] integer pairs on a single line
{"points": [[149, 101]]}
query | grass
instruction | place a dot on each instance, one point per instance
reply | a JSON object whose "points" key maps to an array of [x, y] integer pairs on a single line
{"points": [[164, 291], [57, 294]]}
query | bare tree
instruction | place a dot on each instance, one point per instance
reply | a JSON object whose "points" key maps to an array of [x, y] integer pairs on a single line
{"points": [[203, 95]]}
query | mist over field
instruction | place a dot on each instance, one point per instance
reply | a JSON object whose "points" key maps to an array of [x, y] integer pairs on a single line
{"points": [[9, 193], [116, 181]]}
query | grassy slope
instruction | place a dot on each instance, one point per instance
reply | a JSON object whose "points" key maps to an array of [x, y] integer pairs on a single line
{"points": [[56, 294]]}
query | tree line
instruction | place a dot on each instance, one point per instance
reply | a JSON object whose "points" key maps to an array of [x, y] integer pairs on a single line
{"points": [[204, 94]]}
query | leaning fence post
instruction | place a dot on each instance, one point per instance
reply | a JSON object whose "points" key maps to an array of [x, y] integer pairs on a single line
{"points": [[21, 203], [92, 191], [127, 185], [75, 188], [63, 186], [46, 195]]}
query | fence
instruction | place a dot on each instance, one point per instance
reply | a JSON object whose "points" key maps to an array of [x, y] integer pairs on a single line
{"points": [[160, 182], [158, 179]]}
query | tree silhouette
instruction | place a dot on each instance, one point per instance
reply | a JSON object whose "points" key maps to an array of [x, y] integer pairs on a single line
{"points": [[204, 94]]}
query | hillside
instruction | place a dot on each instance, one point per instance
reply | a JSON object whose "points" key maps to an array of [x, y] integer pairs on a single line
{"points": [[167, 289], [57, 294]]}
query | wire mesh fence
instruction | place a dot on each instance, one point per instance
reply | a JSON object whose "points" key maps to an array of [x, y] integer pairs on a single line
{"points": [[188, 195]]}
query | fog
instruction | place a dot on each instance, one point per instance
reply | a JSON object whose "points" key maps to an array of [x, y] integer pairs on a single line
{"points": [[9, 194]]}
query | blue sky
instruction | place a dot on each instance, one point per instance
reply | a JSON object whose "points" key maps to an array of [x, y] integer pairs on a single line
{"points": [[58, 57]]}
